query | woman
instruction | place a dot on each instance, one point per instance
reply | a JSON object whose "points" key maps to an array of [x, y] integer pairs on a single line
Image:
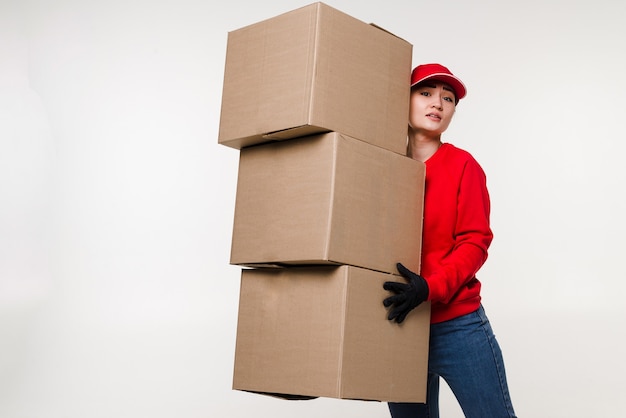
{"points": [[456, 236]]}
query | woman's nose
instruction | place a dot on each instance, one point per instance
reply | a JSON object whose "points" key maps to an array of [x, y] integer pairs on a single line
{"points": [[437, 102]]}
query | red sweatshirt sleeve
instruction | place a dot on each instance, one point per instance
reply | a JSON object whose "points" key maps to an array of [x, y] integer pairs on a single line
{"points": [[458, 234]]}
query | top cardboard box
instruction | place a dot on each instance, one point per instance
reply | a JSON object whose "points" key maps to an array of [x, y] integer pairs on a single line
{"points": [[312, 70]]}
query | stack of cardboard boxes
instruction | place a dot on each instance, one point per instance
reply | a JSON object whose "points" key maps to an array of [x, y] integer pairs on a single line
{"points": [[327, 202]]}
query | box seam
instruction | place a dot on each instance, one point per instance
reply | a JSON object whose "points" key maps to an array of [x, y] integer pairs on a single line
{"points": [[331, 206], [340, 380], [313, 57]]}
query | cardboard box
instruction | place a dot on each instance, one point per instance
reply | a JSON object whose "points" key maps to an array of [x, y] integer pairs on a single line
{"points": [[315, 69], [323, 332], [328, 199]]}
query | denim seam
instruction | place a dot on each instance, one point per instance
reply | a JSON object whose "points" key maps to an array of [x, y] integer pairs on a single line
{"points": [[501, 373]]}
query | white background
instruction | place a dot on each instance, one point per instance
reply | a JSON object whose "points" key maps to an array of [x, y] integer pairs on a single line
{"points": [[116, 202]]}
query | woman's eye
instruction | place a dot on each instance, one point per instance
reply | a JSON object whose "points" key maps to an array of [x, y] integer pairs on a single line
{"points": [[425, 93], [449, 99]]}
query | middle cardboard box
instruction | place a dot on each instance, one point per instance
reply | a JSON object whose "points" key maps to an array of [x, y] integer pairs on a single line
{"points": [[327, 199]]}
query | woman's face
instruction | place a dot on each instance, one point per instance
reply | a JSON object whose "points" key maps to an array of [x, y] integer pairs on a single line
{"points": [[431, 108]]}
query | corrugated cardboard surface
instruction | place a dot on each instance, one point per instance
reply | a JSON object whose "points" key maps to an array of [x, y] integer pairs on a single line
{"points": [[322, 331], [328, 199], [315, 69]]}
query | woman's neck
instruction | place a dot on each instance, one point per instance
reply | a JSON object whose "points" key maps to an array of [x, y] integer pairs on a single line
{"points": [[422, 148]]}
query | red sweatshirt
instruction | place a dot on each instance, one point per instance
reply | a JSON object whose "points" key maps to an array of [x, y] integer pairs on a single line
{"points": [[456, 232]]}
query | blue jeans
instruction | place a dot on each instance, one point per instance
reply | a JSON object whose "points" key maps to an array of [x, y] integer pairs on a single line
{"points": [[465, 353]]}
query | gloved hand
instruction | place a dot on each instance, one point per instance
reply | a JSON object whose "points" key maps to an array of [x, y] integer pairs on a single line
{"points": [[407, 296]]}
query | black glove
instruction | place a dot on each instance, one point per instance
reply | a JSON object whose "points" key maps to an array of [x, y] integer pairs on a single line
{"points": [[407, 296]]}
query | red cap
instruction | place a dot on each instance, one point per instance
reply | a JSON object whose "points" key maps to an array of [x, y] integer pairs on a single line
{"points": [[440, 73]]}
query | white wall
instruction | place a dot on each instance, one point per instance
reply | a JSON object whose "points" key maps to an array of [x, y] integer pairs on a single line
{"points": [[116, 203]]}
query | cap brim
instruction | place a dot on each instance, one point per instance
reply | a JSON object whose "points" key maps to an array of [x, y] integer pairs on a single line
{"points": [[456, 84]]}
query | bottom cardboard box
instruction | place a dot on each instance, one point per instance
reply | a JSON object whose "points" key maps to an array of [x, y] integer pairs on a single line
{"points": [[322, 332]]}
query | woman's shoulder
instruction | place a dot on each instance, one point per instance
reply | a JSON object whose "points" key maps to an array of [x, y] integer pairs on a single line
{"points": [[464, 161], [456, 152]]}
